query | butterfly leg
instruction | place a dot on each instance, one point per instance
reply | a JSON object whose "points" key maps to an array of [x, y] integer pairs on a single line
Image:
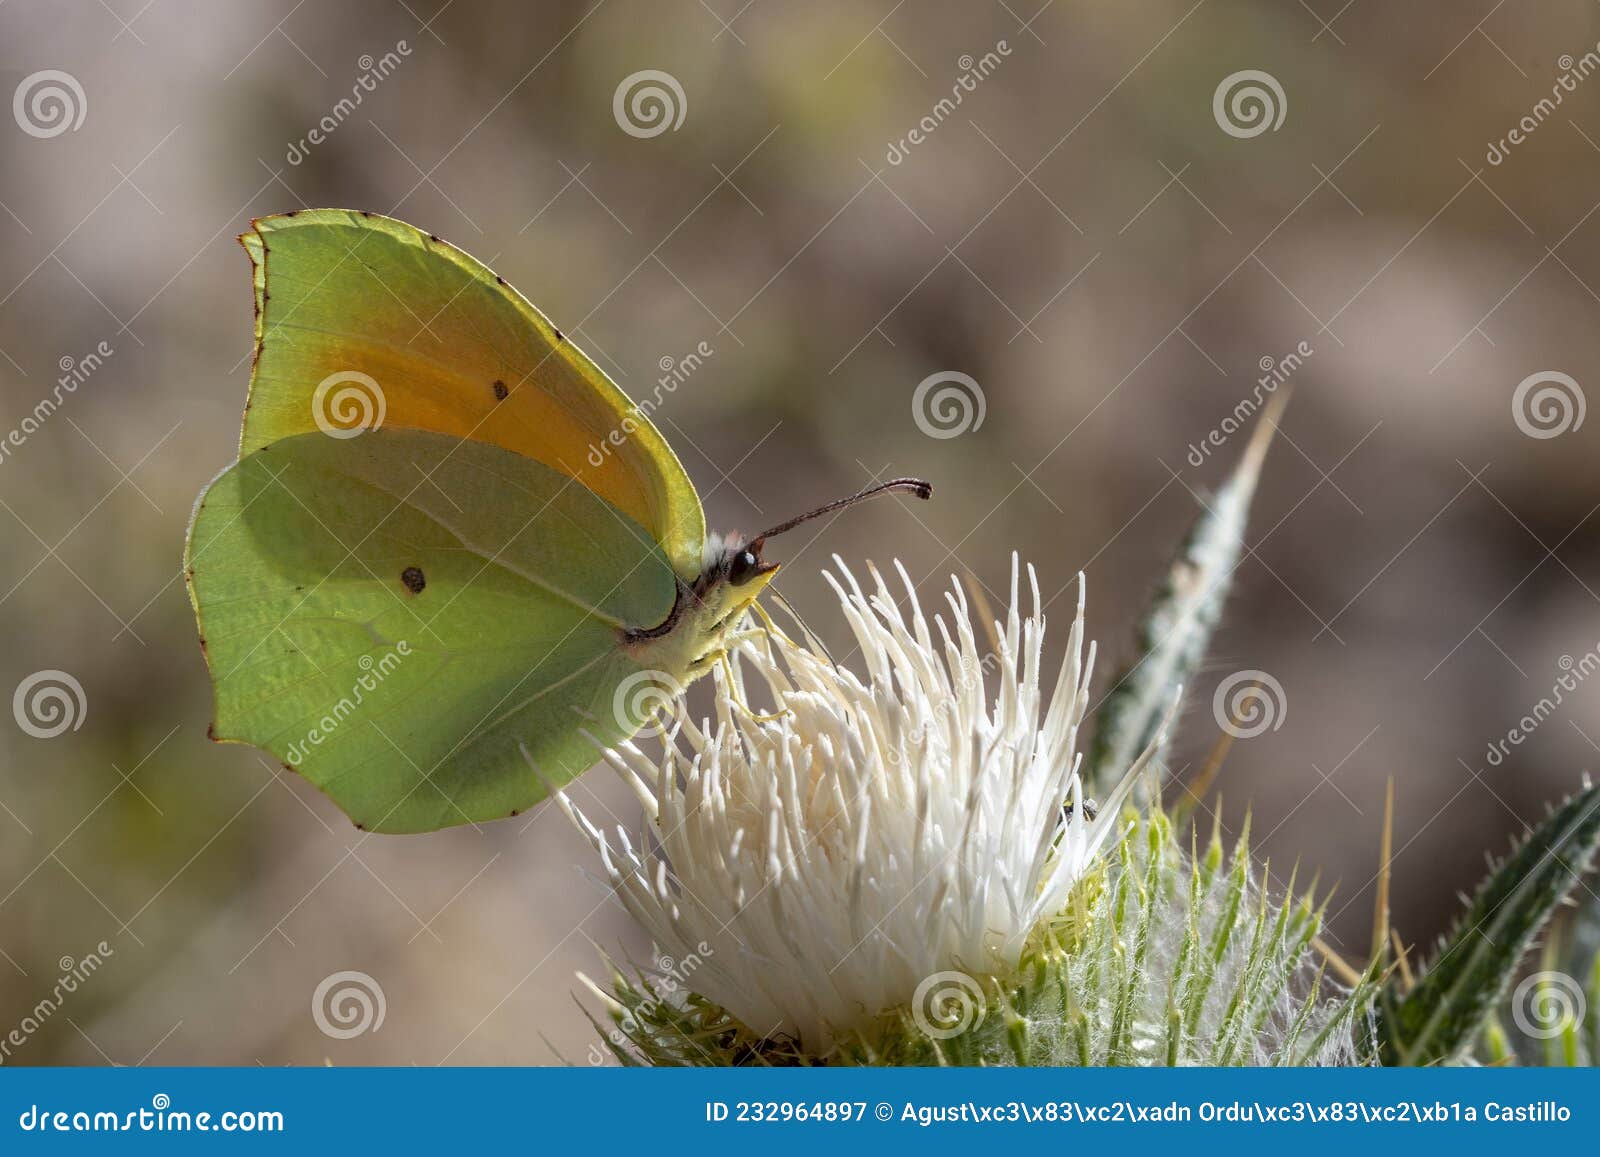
{"points": [[722, 656], [737, 686]]}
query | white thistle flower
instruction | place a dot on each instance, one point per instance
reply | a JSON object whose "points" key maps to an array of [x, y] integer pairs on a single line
{"points": [[868, 834]]}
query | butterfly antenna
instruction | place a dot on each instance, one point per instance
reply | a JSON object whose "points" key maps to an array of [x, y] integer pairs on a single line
{"points": [[915, 486]]}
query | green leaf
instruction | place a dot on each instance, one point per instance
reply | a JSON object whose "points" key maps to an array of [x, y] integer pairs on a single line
{"points": [[1177, 625], [1570, 963], [1437, 1021]]}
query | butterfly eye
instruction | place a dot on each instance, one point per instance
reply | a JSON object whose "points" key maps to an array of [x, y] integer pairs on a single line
{"points": [[744, 567]]}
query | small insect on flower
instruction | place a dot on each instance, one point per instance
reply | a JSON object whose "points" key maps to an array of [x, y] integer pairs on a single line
{"points": [[868, 832]]}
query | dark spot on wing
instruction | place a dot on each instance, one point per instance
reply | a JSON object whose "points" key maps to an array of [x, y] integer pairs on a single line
{"points": [[558, 335], [414, 580], [434, 237], [500, 390], [291, 212], [498, 280]]}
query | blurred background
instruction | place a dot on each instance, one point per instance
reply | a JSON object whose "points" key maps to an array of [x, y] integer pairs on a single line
{"points": [[1096, 234]]}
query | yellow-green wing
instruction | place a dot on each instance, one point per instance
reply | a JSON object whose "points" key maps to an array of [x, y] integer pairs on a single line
{"points": [[361, 317], [425, 628]]}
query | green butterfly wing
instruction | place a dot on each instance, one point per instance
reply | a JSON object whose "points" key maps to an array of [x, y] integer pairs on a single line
{"points": [[418, 330], [426, 628]]}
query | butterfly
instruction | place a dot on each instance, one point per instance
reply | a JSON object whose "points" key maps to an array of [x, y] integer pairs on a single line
{"points": [[452, 559]]}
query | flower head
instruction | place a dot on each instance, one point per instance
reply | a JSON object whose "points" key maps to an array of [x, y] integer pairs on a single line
{"points": [[869, 832]]}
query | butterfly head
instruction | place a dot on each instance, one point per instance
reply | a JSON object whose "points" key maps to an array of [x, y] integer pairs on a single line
{"points": [[732, 577], [733, 560], [739, 563], [733, 574]]}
